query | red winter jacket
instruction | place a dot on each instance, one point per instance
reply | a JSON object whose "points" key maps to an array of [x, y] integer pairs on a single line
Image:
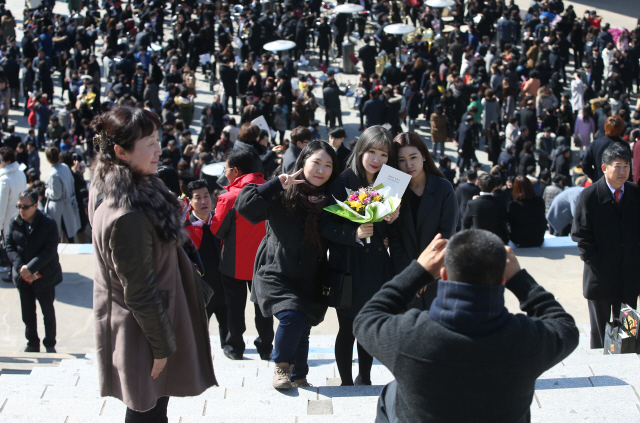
{"points": [[240, 239]]}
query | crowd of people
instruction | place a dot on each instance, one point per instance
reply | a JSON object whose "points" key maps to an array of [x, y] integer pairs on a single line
{"points": [[166, 235]]}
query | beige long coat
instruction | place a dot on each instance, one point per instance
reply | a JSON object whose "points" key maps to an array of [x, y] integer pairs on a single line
{"points": [[147, 301]]}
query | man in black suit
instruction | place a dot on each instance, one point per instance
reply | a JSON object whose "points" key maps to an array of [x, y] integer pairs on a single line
{"points": [[607, 230], [336, 139], [597, 70], [229, 77], [143, 38], [528, 119], [392, 75], [466, 191], [372, 110], [324, 40], [592, 161], [487, 212], [367, 54], [466, 151]]}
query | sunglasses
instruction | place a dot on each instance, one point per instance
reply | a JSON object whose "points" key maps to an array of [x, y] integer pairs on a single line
{"points": [[24, 207]]}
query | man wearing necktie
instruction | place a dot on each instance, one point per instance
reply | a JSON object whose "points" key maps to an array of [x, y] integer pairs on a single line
{"points": [[606, 226]]}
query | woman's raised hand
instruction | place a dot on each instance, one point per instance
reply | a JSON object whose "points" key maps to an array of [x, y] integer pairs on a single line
{"points": [[288, 180]]}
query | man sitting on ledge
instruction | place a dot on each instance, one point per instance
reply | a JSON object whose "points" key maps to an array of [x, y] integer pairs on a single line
{"points": [[467, 359]]}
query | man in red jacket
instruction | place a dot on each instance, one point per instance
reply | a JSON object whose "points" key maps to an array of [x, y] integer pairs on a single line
{"points": [[240, 241]]}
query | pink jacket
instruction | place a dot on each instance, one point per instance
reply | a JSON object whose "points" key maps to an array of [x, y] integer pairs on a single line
{"points": [[584, 129]]}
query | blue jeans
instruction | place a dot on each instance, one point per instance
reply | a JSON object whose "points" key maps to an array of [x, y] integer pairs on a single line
{"points": [[292, 342]]}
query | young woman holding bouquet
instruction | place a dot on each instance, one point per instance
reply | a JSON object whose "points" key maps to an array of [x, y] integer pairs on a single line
{"points": [[349, 252], [291, 253], [429, 208]]}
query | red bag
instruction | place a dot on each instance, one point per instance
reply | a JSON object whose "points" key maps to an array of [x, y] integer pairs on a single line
{"points": [[323, 67], [353, 58], [311, 78]]}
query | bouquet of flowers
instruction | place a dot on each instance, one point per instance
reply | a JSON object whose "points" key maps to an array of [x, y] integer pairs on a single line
{"points": [[366, 205]]}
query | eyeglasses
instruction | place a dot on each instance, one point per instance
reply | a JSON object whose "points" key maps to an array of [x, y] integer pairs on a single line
{"points": [[227, 169], [24, 207]]}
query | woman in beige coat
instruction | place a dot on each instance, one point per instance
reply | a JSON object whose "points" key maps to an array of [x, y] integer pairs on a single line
{"points": [[152, 337]]}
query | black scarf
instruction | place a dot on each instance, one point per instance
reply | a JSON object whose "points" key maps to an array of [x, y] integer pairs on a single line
{"points": [[313, 200]]}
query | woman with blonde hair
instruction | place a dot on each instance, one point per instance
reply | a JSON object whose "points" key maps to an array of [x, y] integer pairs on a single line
{"points": [[367, 262]]}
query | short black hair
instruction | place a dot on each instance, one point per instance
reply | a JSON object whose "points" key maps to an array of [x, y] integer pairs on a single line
{"points": [[29, 193], [615, 151], [169, 176], [475, 256], [241, 159], [487, 182], [197, 184], [337, 132], [7, 155], [472, 175]]}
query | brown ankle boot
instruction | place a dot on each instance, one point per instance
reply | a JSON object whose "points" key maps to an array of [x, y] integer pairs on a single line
{"points": [[282, 376]]}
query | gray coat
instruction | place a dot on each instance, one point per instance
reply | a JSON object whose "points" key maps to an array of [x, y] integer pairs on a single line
{"points": [[562, 208], [61, 199], [491, 112], [151, 94], [290, 157]]}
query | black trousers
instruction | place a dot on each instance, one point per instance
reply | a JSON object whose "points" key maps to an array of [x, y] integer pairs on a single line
{"points": [[324, 51], [344, 353], [220, 311], [225, 101], [28, 299], [235, 293], [332, 115], [157, 414], [599, 315]]}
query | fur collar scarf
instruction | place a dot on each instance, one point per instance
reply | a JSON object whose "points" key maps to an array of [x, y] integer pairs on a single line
{"points": [[123, 188]]}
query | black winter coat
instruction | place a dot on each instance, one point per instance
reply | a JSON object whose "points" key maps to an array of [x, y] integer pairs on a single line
{"points": [[369, 264], [437, 213], [465, 193], [527, 222], [36, 247], [409, 235], [286, 264], [487, 212], [608, 236]]}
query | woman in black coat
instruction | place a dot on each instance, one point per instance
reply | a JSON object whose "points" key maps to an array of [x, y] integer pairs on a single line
{"points": [[368, 263], [429, 207], [32, 247], [526, 215], [290, 255], [527, 159]]}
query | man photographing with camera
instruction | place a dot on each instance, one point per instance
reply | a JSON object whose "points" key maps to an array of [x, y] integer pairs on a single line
{"points": [[467, 358]]}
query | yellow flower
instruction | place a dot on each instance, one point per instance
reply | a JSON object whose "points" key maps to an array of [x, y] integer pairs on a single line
{"points": [[376, 198], [356, 205], [362, 197]]}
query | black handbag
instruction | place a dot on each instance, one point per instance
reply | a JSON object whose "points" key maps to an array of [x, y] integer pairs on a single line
{"points": [[337, 287]]}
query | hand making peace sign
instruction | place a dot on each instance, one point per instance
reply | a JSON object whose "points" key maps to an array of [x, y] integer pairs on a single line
{"points": [[288, 180]]}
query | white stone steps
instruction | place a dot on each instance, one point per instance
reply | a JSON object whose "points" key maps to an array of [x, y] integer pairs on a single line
{"points": [[578, 389]]}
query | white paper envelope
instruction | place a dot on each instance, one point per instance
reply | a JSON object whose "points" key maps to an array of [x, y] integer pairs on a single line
{"points": [[397, 180]]}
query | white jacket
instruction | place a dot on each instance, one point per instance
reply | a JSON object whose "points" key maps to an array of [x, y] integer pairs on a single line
{"points": [[12, 182]]}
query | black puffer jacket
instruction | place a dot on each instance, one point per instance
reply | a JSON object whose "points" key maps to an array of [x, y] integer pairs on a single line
{"points": [[37, 247]]}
